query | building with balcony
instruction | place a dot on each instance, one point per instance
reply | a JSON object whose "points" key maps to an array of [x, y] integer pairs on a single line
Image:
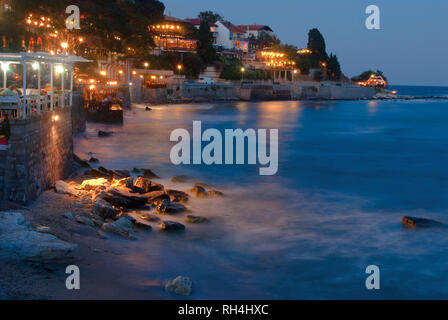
{"points": [[231, 37], [256, 30], [173, 34]]}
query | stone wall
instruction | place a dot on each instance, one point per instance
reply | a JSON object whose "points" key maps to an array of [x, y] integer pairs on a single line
{"points": [[78, 114], [212, 92], [139, 94], [3, 155], [40, 153]]}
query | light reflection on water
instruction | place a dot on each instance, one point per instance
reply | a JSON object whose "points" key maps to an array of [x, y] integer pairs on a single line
{"points": [[346, 177]]}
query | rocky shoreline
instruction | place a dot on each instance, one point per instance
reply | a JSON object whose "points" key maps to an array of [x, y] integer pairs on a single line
{"points": [[101, 203]]}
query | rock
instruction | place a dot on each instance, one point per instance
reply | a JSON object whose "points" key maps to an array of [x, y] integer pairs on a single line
{"points": [[142, 185], [157, 197], [215, 193], [85, 220], [149, 174], [180, 178], [80, 163], [413, 222], [19, 242], [123, 198], [148, 109], [140, 223], [199, 192], [168, 207], [99, 174], [150, 217], [138, 220], [195, 219], [68, 215], [171, 226], [157, 187], [202, 185], [122, 227], [86, 200], [122, 173], [43, 229], [65, 188], [104, 133], [104, 209], [177, 196], [78, 205], [93, 184], [98, 221], [125, 183], [180, 285], [94, 160], [135, 170], [101, 234]]}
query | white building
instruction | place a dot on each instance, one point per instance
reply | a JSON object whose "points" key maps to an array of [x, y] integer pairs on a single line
{"points": [[255, 30], [231, 37]]}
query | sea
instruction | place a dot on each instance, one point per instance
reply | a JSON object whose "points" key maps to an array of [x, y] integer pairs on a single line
{"points": [[348, 171]]}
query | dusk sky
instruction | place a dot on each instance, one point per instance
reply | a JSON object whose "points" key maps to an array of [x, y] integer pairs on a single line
{"points": [[411, 48]]}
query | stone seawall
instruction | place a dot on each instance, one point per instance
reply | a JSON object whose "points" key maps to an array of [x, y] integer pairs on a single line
{"points": [[3, 155], [214, 92], [78, 114], [40, 153], [139, 94]]}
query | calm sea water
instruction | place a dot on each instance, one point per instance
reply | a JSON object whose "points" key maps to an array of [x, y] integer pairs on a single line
{"points": [[348, 172]]}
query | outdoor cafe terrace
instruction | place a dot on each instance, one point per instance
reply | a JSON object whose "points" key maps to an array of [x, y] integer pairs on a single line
{"points": [[35, 82]]}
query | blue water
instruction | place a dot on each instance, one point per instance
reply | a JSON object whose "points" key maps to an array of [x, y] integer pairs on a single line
{"points": [[348, 172], [421, 91]]}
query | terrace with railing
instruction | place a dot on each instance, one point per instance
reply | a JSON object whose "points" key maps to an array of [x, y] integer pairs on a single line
{"points": [[34, 83]]}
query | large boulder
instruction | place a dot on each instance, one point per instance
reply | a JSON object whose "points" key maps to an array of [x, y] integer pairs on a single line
{"points": [[171, 226], [215, 193], [177, 196], [195, 219], [93, 184], [122, 227], [180, 285], [66, 188], [19, 242], [413, 222], [123, 198], [157, 197], [79, 162], [199, 191], [168, 207], [145, 185], [104, 209], [142, 185]]}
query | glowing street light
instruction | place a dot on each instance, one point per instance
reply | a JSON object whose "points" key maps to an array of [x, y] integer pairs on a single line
{"points": [[103, 73], [242, 73], [35, 66], [59, 69], [146, 64], [64, 45]]}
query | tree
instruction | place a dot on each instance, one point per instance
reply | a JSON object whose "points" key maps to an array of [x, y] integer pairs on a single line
{"points": [[316, 43], [210, 16], [304, 64], [206, 51], [109, 25], [318, 75], [333, 68]]}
